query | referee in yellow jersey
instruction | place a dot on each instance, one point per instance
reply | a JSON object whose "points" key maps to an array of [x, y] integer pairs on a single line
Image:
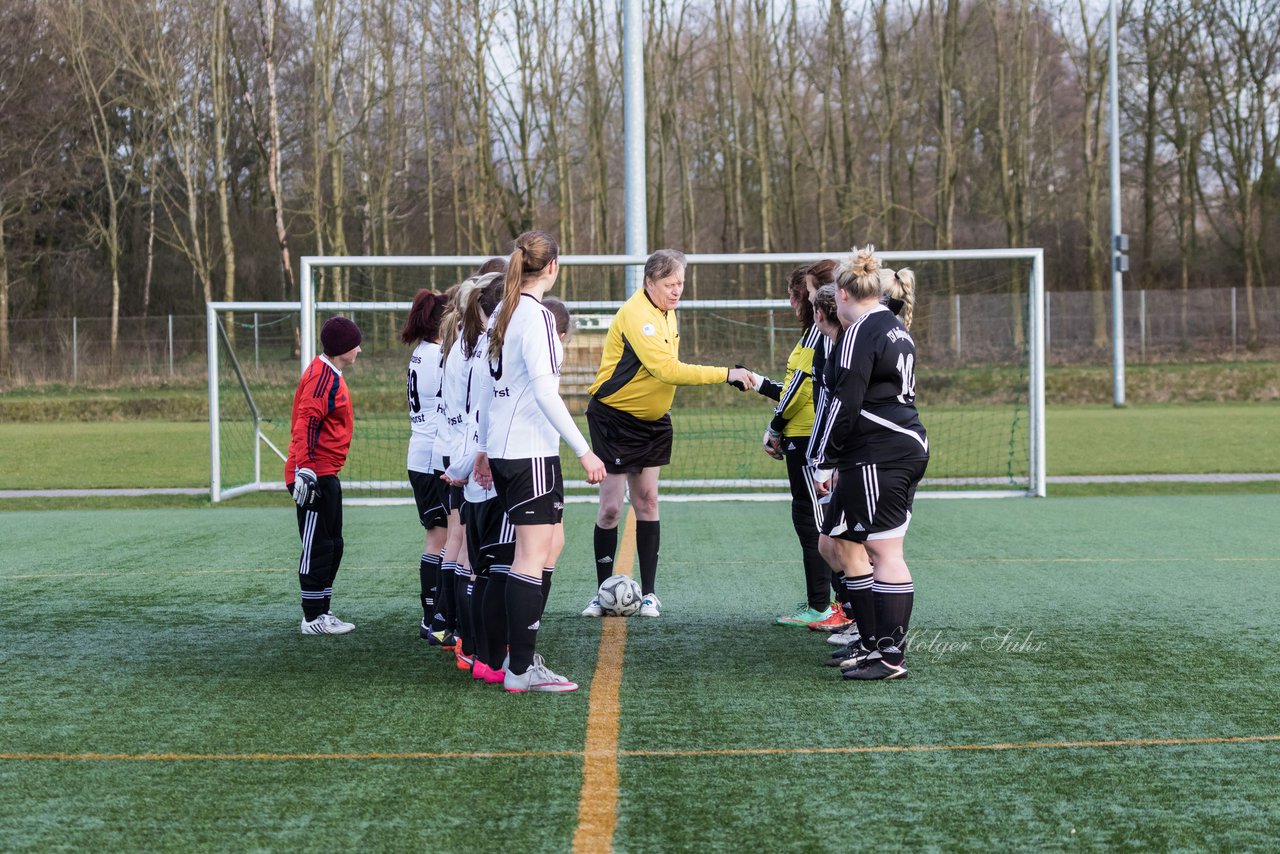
{"points": [[629, 415]]}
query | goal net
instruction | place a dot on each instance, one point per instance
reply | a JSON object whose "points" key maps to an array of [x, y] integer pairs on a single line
{"points": [[978, 329]]}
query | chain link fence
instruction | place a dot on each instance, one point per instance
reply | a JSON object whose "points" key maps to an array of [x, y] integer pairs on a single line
{"points": [[1208, 324]]}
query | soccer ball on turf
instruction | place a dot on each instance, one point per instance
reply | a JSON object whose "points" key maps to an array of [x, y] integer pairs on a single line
{"points": [[619, 596]]}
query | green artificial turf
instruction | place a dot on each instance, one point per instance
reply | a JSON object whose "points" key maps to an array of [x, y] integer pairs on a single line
{"points": [[1066, 620], [710, 443]]}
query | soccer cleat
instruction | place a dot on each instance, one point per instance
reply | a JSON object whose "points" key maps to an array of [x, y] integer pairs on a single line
{"points": [[326, 624], [593, 609], [858, 656], [448, 640], [803, 616], [650, 606], [538, 678], [847, 651], [465, 662], [834, 622], [494, 677], [846, 637], [876, 668]]}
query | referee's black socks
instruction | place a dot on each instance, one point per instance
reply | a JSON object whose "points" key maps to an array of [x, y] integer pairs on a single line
{"points": [[648, 535], [606, 548]]}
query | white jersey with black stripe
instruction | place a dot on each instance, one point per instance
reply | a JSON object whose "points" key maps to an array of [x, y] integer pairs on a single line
{"points": [[531, 348], [423, 382], [454, 387], [473, 366]]}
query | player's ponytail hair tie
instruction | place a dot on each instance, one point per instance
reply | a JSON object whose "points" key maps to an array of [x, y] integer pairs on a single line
{"points": [[534, 250], [859, 275]]}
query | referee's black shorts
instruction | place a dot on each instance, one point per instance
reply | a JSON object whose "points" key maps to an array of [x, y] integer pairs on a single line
{"points": [[625, 443]]}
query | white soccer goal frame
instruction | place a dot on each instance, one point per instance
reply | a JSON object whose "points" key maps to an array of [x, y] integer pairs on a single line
{"points": [[307, 308]]}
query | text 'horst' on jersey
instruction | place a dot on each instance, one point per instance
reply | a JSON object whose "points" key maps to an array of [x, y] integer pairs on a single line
{"points": [[531, 348], [872, 417], [423, 384]]}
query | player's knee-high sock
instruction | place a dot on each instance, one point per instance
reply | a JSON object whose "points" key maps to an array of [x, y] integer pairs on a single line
{"points": [[546, 584], [428, 580], [480, 637], [863, 603], [895, 602], [648, 535], [462, 603], [445, 596], [524, 618], [494, 615], [439, 619], [606, 541]]}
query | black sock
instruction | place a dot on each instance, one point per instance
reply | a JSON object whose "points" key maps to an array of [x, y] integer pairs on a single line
{"points": [[895, 607], [606, 550], [479, 636], [648, 535], [494, 616], [428, 579], [524, 617], [863, 604], [837, 587], [546, 585], [446, 595], [462, 608]]}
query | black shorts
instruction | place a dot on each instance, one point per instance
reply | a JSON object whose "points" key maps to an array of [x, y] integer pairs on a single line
{"points": [[876, 498], [429, 493], [625, 443], [453, 499], [531, 490], [834, 524], [491, 538]]}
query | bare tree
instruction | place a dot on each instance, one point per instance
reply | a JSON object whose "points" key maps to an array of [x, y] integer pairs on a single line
{"points": [[81, 27]]}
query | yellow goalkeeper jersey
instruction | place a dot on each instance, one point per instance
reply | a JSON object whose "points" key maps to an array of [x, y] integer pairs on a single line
{"points": [[641, 365]]}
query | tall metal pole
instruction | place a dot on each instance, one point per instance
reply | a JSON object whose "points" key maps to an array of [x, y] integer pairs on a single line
{"points": [[1118, 242], [633, 137]]}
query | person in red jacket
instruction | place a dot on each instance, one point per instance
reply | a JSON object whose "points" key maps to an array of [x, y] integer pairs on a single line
{"points": [[320, 436]]}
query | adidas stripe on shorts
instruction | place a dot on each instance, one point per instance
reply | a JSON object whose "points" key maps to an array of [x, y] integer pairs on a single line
{"points": [[531, 490], [876, 498]]}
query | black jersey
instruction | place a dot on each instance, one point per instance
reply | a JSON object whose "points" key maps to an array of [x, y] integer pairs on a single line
{"points": [[871, 413], [823, 366]]}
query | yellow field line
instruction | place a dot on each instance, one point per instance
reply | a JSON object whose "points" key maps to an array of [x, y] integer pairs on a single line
{"points": [[598, 801], [637, 754]]}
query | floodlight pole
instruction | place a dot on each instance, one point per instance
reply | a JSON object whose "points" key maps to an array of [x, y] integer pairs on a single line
{"points": [[1119, 242], [633, 137]]}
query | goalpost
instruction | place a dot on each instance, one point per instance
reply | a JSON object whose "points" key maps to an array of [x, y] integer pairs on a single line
{"points": [[979, 331]]}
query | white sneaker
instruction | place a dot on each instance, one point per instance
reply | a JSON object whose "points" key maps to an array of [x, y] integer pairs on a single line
{"points": [[326, 624], [537, 678], [650, 606], [845, 637], [593, 609]]}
